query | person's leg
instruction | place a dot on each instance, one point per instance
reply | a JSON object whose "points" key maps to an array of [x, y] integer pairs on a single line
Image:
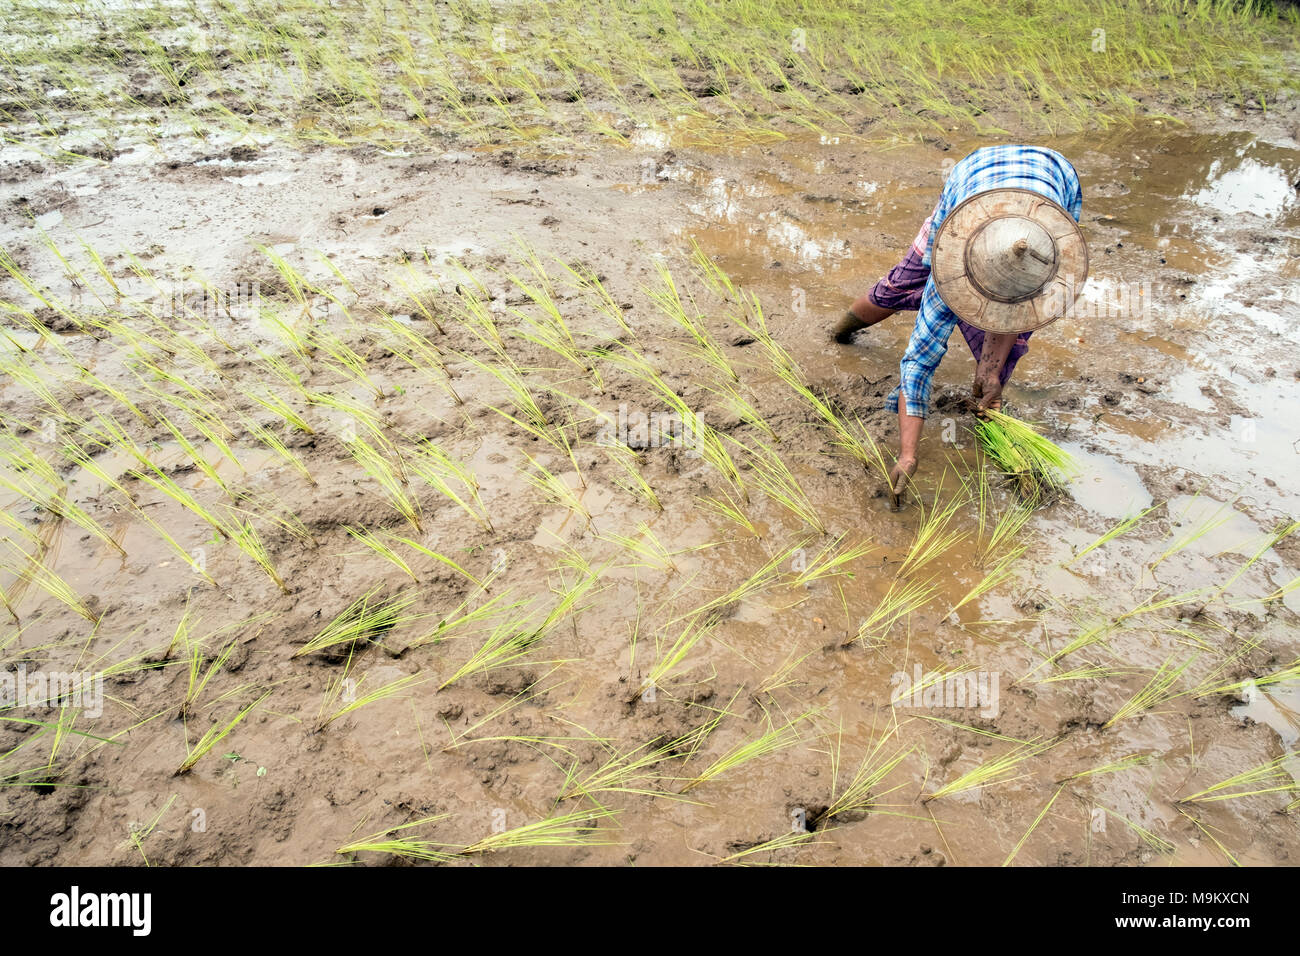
{"points": [[862, 314], [900, 290]]}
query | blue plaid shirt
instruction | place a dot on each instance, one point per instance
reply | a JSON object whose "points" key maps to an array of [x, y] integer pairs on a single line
{"points": [[1044, 171]]}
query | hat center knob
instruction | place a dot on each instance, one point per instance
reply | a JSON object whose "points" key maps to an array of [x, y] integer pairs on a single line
{"points": [[1011, 259]]}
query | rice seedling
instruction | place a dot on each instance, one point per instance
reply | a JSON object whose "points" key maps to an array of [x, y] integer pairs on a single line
{"points": [[199, 459], [1006, 529], [381, 546], [579, 828], [773, 477], [197, 675], [783, 675], [396, 841], [246, 537], [1208, 686], [37, 481], [1036, 465], [1120, 528], [1153, 603], [765, 576], [363, 620], [282, 409], [1116, 766], [852, 438], [1158, 690], [550, 331], [81, 457], [1154, 841], [37, 381], [277, 445], [345, 359], [903, 597], [140, 833], [7, 600], [530, 416], [632, 480], [646, 546], [705, 440], [507, 642], [1275, 595], [864, 791], [393, 688], [390, 480], [996, 770], [584, 280], [554, 487], [772, 740], [1033, 826], [516, 636], [1003, 570], [736, 404], [636, 771], [933, 538], [1272, 776], [356, 416], [434, 466], [37, 572], [831, 561], [785, 841], [534, 691], [1281, 532], [462, 618], [1092, 633], [1193, 535], [669, 659], [935, 677], [476, 315], [213, 736], [725, 507]]}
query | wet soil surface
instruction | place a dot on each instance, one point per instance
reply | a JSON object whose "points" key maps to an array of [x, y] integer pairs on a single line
{"points": [[1174, 384]]}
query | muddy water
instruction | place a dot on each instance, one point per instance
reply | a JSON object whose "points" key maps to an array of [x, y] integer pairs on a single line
{"points": [[1170, 402]]}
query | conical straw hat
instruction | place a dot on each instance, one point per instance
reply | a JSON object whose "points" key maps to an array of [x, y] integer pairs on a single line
{"points": [[1009, 260]]}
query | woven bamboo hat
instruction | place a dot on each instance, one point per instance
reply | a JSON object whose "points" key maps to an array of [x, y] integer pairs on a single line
{"points": [[1009, 260]]}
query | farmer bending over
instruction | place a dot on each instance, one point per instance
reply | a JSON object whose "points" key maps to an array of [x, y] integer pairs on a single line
{"points": [[1000, 256]]}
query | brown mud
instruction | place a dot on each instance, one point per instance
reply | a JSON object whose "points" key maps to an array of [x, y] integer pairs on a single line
{"points": [[1174, 385]]}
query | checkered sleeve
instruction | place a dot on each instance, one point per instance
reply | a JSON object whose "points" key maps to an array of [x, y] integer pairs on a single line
{"points": [[925, 350]]}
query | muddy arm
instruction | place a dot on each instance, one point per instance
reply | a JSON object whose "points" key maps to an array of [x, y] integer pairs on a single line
{"points": [[987, 389]]}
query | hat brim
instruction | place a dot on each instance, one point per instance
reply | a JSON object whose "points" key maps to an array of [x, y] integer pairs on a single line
{"points": [[959, 293]]}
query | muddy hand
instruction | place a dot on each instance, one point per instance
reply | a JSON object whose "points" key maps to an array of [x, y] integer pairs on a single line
{"points": [[899, 477], [987, 395]]}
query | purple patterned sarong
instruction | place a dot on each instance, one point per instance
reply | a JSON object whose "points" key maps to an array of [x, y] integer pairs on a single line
{"points": [[902, 289]]}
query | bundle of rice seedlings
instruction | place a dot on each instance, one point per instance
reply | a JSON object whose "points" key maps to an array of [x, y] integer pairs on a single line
{"points": [[1038, 467]]}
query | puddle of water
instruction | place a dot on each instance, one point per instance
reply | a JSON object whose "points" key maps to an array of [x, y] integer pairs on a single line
{"points": [[1106, 485], [1229, 531], [1254, 187], [268, 178], [1277, 707]]}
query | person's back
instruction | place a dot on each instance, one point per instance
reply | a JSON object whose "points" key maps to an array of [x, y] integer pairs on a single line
{"points": [[1008, 166]]}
